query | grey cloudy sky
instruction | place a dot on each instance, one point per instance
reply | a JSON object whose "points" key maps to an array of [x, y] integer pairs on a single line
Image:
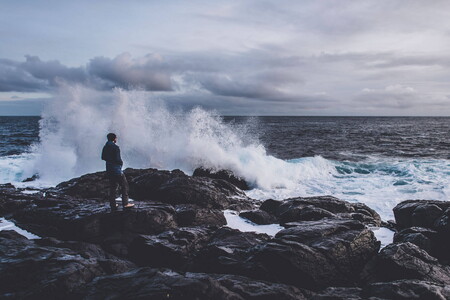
{"points": [[238, 57]]}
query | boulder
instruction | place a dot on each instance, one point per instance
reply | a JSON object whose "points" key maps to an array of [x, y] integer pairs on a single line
{"points": [[259, 217], [256, 289], [12, 199], [177, 188], [405, 261], [188, 215], [94, 185], [226, 251], [317, 208], [173, 248], [271, 206], [204, 192], [170, 187], [145, 185], [399, 289], [421, 213], [226, 175], [424, 238], [49, 269], [407, 290], [316, 254], [432, 215], [86, 221], [312, 255], [147, 283]]}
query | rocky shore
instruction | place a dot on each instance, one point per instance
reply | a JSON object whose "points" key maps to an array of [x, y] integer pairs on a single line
{"points": [[174, 244]]}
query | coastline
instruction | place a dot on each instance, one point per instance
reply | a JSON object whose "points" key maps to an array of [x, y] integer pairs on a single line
{"points": [[178, 233]]}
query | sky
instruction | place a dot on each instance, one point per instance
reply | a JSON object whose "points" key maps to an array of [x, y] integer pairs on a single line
{"points": [[284, 57]]}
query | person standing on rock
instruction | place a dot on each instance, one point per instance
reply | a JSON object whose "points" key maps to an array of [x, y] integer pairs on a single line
{"points": [[111, 154]]}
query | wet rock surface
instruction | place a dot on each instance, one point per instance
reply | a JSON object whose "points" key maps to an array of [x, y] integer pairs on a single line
{"points": [[340, 248], [425, 223], [148, 283], [12, 199], [174, 245], [226, 175], [311, 209], [405, 261], [399, 289], [50, 269]]}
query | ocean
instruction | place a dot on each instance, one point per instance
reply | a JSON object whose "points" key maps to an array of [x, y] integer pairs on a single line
{"points": [[379, 161]]}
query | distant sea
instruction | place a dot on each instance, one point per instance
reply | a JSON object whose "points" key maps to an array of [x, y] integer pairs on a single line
{"points": [[376, 160]]}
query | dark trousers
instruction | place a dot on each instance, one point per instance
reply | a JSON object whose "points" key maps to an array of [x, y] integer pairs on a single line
{"points": [[114, 182]]}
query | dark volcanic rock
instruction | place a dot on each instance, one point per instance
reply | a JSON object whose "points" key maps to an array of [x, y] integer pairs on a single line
{"points": [[146, 283], [93, 185], [12, 199], [338, 293], [32, 178], [317, 208], [406, 290], [171, 187], [204, 192], [421, 213], [193, 215], [177, 188], [316, 254], [422, 237], [433, 215], [49, 269], [405, 261], [259, 217], [399, 289], [253, 289], [224, 175], [173, 248], [145, 185], [226, 251], [96, 185], [78, 220]]}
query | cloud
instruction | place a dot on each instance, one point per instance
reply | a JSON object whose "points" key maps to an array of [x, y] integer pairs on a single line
{"points": [[256, 81], [395, 96], [264, 75], [149, 72], [14, 78]]}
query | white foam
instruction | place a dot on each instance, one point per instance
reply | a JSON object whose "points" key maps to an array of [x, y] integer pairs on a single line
{"points": [[379, 182], [30, 192], [8, 225], [384, 235], [236, 222]]}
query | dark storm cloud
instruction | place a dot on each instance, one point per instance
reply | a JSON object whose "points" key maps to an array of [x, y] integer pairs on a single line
{"points": [[101, 73], [35, 75], [149, 72], [254, 74], [14, 78], [52, 70]]}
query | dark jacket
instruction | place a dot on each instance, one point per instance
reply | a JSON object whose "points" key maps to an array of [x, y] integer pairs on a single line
{"points": [[111, 154]]}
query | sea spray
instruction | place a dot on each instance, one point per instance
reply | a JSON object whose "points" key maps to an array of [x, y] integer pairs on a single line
{"points": [[74, 126], [73, 130]]}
